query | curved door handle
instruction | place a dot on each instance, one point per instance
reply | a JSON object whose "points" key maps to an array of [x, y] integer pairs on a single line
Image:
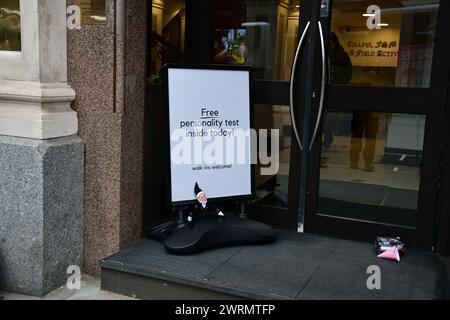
{"points": [[291, 88], [322, 87]]}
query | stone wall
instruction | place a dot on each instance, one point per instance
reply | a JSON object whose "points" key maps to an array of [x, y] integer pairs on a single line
{"points": [[106, 67]]}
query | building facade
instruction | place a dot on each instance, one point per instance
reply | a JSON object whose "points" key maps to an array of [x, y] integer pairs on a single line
{"points": [[357, 89]]}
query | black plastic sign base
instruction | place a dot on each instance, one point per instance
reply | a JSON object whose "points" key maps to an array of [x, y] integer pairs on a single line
{"points": [[211, 232]]}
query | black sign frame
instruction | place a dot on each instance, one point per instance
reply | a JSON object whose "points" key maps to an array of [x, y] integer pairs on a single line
{"points": [[218, 67]]}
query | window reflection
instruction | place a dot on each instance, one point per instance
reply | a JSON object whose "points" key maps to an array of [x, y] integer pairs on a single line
{"points": [[272, 190], [168, 34], [389, 43], [370, 166], [98, 11], [259, 33], [10, 25], [92, 11]]}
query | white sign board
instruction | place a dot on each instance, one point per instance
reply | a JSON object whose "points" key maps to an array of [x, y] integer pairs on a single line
{"points": [[209, 112]]}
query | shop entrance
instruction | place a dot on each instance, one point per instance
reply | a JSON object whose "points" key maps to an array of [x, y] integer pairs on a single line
{"points": [[356, 90]]}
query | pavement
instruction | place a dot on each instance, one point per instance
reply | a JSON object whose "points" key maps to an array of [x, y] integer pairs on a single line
{"points": [[90, 290]]}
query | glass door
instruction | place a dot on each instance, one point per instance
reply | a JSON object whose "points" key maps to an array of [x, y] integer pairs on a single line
{"points": [[264, 35], [373, 142], [353, 91]]}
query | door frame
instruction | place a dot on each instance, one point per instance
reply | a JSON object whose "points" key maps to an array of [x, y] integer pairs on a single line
{"points": [[198, 50], [423, 101]]}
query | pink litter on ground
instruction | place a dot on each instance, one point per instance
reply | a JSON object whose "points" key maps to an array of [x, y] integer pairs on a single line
{"points": [[391, 254]]}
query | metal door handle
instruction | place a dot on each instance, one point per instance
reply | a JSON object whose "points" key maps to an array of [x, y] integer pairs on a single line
{"points": [[322, 87], [291, 88]]}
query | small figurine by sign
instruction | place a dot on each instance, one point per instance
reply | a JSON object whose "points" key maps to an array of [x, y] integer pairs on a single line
{"points": [[202, 208], [208, 227]]}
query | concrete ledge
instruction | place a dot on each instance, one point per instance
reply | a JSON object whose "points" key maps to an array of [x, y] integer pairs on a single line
{"points": [[37, 110], [41, 212]]}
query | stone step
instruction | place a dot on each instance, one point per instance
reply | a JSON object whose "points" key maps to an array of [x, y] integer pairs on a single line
{"points": [[296, 266]]}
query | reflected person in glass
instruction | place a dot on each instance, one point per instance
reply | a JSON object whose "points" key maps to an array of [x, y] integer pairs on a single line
{"points": [[340, 73], [364, 125]]}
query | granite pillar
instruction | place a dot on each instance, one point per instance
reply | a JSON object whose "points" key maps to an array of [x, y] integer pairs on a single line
{"points": [[41, 212], [106, 67]]}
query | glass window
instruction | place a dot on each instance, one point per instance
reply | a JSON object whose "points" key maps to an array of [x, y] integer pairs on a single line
{"points": [[259, 33], [370, 166], [272, 188], [10, 25], [168, 34], [382, 43], [92, 11]]}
